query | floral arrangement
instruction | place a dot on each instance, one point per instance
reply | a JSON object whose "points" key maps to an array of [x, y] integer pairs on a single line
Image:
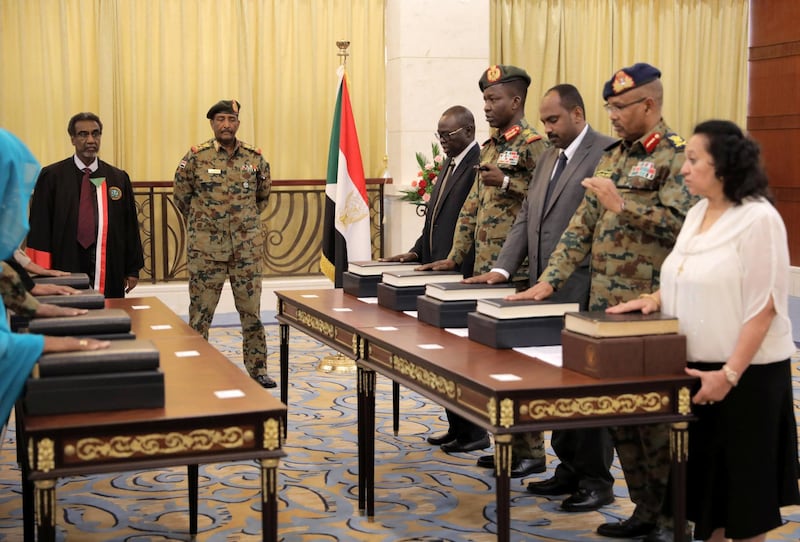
{"points": [[428, 174]]}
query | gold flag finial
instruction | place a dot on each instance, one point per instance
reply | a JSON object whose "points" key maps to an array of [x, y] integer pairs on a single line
{"points": [[343, 54]]}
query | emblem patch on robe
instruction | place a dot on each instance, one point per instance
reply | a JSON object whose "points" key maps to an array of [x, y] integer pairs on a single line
{"points": [[115, 193]]}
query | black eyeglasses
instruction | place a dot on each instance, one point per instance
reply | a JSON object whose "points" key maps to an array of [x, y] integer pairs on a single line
{"points": [[447, 136], [616, 108], [85, 135]]}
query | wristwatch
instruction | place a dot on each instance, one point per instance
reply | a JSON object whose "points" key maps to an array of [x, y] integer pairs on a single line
{"points": [[506, 180], [730, 375]]}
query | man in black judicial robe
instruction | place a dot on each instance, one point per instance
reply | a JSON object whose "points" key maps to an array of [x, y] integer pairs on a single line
{"points": [[83, 216]]}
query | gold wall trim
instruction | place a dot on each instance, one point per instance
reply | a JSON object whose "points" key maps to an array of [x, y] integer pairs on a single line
{"points": [[605, 405], [427, 378], [125, 446]]}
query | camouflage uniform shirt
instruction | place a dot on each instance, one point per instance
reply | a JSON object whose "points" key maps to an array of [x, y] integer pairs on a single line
{"points": [[489, 211], [627, 249], [15, 296], [222, 197]]}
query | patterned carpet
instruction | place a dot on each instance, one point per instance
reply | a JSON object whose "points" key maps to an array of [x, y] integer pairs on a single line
{"points": [[421, 493]]}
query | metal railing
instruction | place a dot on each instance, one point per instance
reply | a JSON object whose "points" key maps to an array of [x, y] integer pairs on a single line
{"points": [[293, 222]]}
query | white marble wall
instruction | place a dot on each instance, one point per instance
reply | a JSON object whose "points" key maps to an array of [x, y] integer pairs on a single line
{"points": [[436, 50]]}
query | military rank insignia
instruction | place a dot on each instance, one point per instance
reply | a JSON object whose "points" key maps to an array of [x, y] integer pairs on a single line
{"points": [[508, 158], [493, 73], [182, 164], [677, 141], [646, 170], [512, 132], [622, 82], [651, 142]]}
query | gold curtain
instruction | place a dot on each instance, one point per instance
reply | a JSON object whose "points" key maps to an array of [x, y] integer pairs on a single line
{"points": [[700, 46], [151, 69]]}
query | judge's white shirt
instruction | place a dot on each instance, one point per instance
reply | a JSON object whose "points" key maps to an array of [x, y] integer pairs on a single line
{"points": [[717, 280]]}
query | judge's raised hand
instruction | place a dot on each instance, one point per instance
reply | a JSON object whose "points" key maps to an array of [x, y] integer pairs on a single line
{"points": [[537, 292], [72, 344], [492, 277], [606, 192], [47, 310], [130, 283], [438, 265], [405, 257], [53, 289]]}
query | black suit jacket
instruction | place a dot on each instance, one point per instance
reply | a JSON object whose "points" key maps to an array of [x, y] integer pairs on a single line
{"points": [[537, 230], [437, 234]]}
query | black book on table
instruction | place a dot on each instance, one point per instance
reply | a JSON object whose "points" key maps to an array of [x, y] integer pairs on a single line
{"points": [[93, 322], [360, 285], [79, 281], [503, 309], [402, 279], [515, 332], [444, 313], [120, 357], [458, 291], [376, 267]]}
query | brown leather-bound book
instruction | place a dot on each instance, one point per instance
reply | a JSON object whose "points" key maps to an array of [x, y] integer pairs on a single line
{"points": [[602, 357], [619, 357], [664, 354], [602, 324]]}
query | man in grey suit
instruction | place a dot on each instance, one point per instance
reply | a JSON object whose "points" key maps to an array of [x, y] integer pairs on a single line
{"points": [[554, 194]]}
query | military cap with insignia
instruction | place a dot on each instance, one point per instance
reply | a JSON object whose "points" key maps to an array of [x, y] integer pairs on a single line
{"points": [[499, 73], [629, 78], [224, 106]]}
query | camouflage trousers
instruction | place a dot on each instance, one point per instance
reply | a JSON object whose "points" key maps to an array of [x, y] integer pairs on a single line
{"points": [[206, 279], [644, 455], [528, 445]]}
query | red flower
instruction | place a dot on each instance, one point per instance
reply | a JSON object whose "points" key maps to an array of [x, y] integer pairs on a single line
{"points": [[421, 191], [422, 183]]}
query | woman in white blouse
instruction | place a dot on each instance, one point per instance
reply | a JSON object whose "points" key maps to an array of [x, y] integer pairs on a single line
{"points": [[727, 281]]}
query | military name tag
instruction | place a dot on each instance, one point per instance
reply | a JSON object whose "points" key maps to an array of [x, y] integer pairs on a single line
{"points": [[646, 170], [214, 171], [508, 158]]}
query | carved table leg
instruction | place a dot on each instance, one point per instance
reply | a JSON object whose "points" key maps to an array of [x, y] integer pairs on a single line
{"points": [[269, 500], [45, 503], [366, 440], [679, 451], [502, 465]]}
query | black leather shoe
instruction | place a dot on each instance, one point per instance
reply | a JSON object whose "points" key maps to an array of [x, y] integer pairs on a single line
{"points": [[486, 461], [552, 486], [441, 438], [628, 528], [521, 468], [265, 381], [457, 446], [586, 500]]}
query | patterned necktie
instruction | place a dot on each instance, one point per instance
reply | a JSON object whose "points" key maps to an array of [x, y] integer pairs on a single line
{"points": [[87, 224], [560, 165], [446, 177]]}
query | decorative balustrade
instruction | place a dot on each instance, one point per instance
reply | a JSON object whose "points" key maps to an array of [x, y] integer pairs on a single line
{"points": [[293, 222]]}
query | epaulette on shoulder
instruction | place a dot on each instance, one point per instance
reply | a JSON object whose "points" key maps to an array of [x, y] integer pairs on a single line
{"points": [[531, 136], [250, 148], [486, 142], [677, 141], [613, 145], [200, 147]]}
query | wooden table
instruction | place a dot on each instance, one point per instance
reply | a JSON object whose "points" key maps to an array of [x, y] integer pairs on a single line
{"points": [[459, 376], [195, 426]]}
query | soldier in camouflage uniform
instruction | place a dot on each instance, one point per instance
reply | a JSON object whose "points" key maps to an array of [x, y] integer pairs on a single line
{"points": [[221, 188], [507, 161], [629, 220]]}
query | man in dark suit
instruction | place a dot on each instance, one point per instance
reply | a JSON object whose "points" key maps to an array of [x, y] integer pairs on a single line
{"points": [[553, 197], [456, 133]]}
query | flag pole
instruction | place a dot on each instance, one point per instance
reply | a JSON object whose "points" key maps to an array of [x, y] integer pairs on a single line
{"points": [[339, 363]]}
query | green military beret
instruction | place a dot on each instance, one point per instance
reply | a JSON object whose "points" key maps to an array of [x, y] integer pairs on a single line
{"points": [[629, 78], [224, 106], [502, 74]]}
